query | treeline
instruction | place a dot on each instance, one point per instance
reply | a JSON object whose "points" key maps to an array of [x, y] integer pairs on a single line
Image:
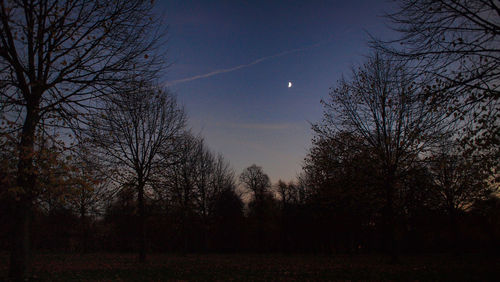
{"points": [[200, 210]]}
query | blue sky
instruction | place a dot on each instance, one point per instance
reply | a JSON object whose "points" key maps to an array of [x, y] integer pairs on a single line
{"points": [[232, 61]]}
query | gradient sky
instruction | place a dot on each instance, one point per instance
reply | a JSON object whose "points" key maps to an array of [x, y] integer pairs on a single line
{"points": [[232, 61]]}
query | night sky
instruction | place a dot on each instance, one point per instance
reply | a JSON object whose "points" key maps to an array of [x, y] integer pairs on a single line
{"points": [[232, 61]]}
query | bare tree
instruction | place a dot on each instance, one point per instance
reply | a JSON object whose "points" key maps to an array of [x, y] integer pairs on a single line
{"points": [[177, 183], [381, 106], [256, 181], [55, 56], [193, 183], [285, 193], [90, 190], [459, 181], [204, 170], [457, 44], [213, 176], [303, 187], [130, 134], [222, 176], [289, 197]]}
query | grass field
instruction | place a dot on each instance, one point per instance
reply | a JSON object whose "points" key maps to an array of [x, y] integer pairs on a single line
{"points": [[123, 267]]}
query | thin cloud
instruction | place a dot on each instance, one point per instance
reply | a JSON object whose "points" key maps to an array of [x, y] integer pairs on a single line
{"points": [[261, 126], [219, 71]]}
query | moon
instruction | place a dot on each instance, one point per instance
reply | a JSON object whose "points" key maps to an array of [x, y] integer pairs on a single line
{"points": [[289, 84]]}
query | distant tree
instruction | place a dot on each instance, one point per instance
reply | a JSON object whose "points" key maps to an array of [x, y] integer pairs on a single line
{"points": [[459, 181], [191, 185], [213, 177], [129, 136], [175, 187], [285, 192], [417, 192], [56, 57], [262, 204], [255, 180], [488, 211], [343, 173], [223, 177], [303, 187], [290, 198], [456, 44], [91, 190], [228, 221], [120, 220], [381, 105]]}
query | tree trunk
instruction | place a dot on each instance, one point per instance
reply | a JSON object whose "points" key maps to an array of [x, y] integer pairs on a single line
{"points": [[20, 249], [185, 217], [142, 221], [205, 236], [22, 202], [455, 242], [84, 230], [285, 246], [391, 219]]}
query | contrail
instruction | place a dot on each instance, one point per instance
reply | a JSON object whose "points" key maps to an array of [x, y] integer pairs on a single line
{"points": [[219, 71]]}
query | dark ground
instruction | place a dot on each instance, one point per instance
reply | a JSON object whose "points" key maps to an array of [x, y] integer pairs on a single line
{"points": [[123, 267]]}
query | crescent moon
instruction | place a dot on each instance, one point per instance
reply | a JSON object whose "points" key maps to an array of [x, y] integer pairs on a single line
{"points": [[289, 84]]}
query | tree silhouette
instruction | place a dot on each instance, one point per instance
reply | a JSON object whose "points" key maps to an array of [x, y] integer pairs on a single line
{"points": [[91, 189], [55, 58], [382, 106], [258, 184], [130, 134], [456, 44], [190, 188], [343, 173], [256, 181], [460, 181]]}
